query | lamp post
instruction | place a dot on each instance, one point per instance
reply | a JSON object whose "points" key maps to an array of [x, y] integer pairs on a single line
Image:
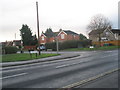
{"points": [[38, 27]]}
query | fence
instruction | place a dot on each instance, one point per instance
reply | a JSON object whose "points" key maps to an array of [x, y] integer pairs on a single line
{"points": [[116, 43], [29, 47]]}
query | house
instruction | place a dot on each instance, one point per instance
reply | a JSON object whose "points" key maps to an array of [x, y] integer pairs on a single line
{"points": [[16, 42], [7, 43], [65, 35], [105, 35], [62, 35], [116, 32], [44, 38]]}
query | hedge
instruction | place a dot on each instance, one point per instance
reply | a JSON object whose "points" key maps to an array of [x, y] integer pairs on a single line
{"points": [[68, 44], [51, 45], [10, 50]]}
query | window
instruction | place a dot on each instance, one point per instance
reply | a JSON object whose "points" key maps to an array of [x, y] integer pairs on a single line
{"points": [[107, 33], [42, 38], [62, 36]]}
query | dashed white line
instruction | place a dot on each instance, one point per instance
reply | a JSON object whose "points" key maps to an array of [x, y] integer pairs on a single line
{"points": [[109, 56], [13, 76], [66, 65], [63, 65]]}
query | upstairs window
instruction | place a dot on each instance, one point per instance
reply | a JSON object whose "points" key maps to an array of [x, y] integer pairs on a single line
{"points": [[62, 36], [42, 38], [107, 33]]}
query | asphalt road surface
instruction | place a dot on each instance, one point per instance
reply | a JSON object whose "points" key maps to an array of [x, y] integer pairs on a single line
{"points": [[61, 73], [108, 81]]}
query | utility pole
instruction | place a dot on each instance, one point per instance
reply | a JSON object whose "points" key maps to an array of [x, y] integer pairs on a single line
{"points": [[38, 27], [57, 46]]}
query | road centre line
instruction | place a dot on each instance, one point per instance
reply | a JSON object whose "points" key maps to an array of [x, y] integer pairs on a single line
{"points": [[66, 65], [13, 76], [109, 56], [63, 65]]}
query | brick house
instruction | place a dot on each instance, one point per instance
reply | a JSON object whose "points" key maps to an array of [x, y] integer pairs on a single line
{"points": [[65, 35], [62, 35], [43, 38]]}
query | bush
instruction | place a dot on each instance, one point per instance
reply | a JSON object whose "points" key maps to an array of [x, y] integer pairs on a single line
{"points": [[10, 50]]}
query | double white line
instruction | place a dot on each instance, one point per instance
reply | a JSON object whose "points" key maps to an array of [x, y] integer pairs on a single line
{"points": [[89, 79]]}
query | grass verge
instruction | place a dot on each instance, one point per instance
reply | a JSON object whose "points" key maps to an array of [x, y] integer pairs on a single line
{"points": [[91, 49], [23, 57]]}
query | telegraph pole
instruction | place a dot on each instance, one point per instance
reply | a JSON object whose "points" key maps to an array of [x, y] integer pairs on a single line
{"points": [[57, 46], [38, 27]]}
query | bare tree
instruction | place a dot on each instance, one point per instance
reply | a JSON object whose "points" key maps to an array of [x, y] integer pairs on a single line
{"points": [[99, 22]]}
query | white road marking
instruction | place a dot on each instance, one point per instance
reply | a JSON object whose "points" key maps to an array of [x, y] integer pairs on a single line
{"points": [[40, 63], [18, 69], [13, 76], [108, 56], [3, 69], [89, 79], [66, 65], [63, 65]]}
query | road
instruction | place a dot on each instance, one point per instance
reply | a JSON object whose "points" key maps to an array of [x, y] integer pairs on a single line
{"points": [[61, 73], [110, 81]]}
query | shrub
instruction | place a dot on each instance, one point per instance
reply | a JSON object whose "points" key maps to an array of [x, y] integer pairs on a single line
{"points": [[10, 50]]}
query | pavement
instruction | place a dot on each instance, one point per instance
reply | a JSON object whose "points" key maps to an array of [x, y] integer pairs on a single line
{"points": [[62, 56]]}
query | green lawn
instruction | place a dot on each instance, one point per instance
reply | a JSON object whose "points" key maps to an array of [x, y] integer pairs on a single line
{"points": [[21, 57], [91, 49]]}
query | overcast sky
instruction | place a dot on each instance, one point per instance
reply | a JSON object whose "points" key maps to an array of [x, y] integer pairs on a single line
{"points": [[72, 15]]}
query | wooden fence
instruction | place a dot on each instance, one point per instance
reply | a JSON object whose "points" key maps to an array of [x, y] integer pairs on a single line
{"points": [[116, 43], [29, 47]]}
